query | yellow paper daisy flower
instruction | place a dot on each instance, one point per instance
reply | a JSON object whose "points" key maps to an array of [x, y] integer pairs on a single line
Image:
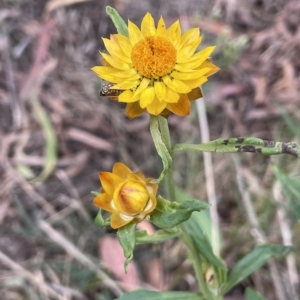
{"points": [[157, 69], [128, 196]]}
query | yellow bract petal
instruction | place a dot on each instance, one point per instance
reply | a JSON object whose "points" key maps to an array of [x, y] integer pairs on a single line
{"points": [[181, 108], [127, 97], [110, 182], [200, 56], [171, 96], [136, 178], [105, 202], [126, 74], [143, 85], [121, 170], [118, 220], [135, 34], [156, 107], [161, 27], [151, 204], [126, 84], [106, 75], [168, 82], [160, 90], [195, 82], [114, 49], [115, 62], [188, 50], [190, 75], [99, 70], [176, 85], [147, 96], [140, 175], [213, 67], [189, 37], [134, 110], [124, 43], [174, 32], [148, 26], [181, 87], [152, 188]]}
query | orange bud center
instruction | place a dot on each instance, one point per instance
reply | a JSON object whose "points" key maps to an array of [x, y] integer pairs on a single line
{"points": [[132, 198], [154, 56]]}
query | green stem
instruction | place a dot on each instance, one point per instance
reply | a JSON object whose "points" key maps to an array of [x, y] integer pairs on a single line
{"points": [[196, 257], [165, 135], [185, 237]]}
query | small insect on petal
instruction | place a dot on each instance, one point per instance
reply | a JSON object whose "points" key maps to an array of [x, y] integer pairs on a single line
{"points": [[106, 90]]}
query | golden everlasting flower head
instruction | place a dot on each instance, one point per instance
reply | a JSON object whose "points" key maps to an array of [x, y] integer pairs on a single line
{"points": [[157, 69], [126, 195]]}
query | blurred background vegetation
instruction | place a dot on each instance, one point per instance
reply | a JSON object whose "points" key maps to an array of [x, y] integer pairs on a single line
{"points": [[56, 134]]}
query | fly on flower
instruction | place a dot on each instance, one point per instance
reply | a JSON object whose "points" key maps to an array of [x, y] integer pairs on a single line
{"points": [[158, 69], [106, 91]]}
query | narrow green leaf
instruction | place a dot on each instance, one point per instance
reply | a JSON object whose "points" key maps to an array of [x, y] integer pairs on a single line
{"points": [[202, 243], [169, 214], [126, 235], [150, 295], [252, 262], [159, 236], [160, 147], [117, 20], [291, 188], [251, 294], [50, 137], [242, 144]]}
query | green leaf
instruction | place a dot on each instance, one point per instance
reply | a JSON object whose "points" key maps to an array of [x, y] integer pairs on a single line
{"points": [[160, 147], [95, 193], [50, 137], [117, 20], [252, 262], [251, 294], [291, 188], [126, 235], [159, 236], [150, 295], [202, 218], [99, 221], [203, 245], [169, 214]]}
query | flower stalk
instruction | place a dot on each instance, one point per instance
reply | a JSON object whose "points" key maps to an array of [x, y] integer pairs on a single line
{"points": [[196, 256]]}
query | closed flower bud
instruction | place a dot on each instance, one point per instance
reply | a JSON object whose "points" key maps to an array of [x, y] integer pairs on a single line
{"points": [[128, 196]]}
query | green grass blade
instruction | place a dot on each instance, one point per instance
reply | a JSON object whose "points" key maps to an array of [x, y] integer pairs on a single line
{"points": [[50, 139]]}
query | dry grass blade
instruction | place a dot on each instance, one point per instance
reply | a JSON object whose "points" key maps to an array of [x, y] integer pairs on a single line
{"points": [[256, 230], [41, 285], [209, 175], [89, 139], [79, 256], [287, 239]]}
